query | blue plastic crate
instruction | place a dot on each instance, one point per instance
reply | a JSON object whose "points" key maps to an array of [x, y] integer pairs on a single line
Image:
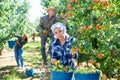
{"points": [[90, 76], [29, 72], [61, 75]]}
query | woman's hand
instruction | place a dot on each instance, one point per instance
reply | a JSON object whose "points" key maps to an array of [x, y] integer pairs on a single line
{"points": [[17, 42], [53, 61], [45, 32], [74, 51]]}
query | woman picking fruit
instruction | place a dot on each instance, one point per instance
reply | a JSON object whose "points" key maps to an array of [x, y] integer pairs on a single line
{"points": [[61, 46], [20, 42]]}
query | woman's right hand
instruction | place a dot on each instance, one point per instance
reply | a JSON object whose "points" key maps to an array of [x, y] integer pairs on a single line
{"points": [[53, 61], [45, 32]]}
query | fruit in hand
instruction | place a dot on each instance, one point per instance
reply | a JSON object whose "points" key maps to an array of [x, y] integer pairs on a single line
{"points": [[57, 63], [60, 68], [72, 50], [45, 32]]}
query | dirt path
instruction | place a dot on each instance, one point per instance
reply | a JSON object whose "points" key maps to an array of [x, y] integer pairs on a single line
{"points": [[7, 58]]}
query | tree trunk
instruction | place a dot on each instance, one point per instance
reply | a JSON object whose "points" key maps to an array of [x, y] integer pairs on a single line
{"points": [[1, 50]]}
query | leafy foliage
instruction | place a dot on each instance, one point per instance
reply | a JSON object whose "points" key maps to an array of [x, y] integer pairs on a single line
{"points": [[13, 19], [94, 23]]}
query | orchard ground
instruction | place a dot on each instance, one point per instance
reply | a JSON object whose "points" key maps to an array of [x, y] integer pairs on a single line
{"points": [[32, 57]]}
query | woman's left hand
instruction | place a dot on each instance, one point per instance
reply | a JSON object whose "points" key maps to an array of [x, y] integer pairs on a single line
{"points": [[74, 51]]}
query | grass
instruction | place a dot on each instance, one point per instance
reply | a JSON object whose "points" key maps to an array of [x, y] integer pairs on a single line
{"points": [[13, 76], [10, 73], [32, 54], [32, 46]]}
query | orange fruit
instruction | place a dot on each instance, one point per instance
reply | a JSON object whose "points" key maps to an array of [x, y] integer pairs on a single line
{"points": [[96, 1], [100, 18], [87, 28], [91, 61], [77, 1], [71, 0], [69, 6], [100, 27], [84, 27], [109, 15], [100, 56], [105, 3], [70, 14], [97, 25]]}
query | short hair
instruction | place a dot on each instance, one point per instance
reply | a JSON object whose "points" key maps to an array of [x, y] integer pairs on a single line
{"points": [[58, 25], [26, 37]]}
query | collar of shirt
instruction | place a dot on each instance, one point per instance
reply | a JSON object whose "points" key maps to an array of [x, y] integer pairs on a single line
{"points": [[49, 18]]}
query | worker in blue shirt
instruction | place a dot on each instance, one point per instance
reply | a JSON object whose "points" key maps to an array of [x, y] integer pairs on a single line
{"points": [[61, 46]]}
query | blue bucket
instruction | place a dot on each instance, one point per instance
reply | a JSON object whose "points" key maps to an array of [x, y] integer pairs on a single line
{"points": [[61, 75], [29, 72], [90, 76], [11, 44]]}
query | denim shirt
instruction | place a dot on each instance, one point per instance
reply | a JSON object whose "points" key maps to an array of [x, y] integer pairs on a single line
{"points": [[62, 52]]}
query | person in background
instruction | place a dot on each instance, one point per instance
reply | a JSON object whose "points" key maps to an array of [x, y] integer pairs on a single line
{"points": [[20, 42], [61, 46], [45, 32], [33, 36]]}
